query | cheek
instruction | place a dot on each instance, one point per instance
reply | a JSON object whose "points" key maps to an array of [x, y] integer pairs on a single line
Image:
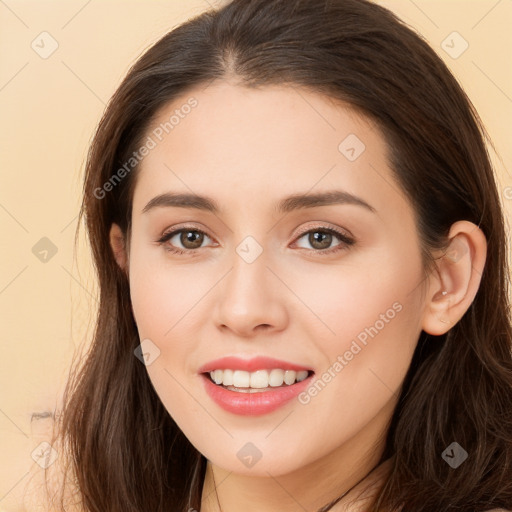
{"points": [[162, 294], [162, 299], [169, 303], [364, 291], [370, 327], [367, 310]]}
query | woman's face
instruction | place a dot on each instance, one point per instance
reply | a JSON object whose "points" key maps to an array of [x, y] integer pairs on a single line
{"points": [[268, 278]]}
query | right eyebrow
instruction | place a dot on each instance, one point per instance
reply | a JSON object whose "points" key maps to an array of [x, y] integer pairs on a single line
{"points": [[170, 199]]}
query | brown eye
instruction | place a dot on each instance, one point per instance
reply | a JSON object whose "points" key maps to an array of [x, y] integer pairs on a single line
{"points": [[189, 239], [320, 240]]}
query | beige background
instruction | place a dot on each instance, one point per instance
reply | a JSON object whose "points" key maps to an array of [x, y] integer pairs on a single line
{"points": [[50, 107]]}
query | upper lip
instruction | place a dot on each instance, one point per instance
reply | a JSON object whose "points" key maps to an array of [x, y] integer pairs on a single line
{"points": [[250, 365]]}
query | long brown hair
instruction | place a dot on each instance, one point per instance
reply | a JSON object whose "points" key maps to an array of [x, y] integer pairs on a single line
{"points": [[126, 452]]}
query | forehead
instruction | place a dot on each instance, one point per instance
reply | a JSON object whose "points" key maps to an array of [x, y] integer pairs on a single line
{"points": [[240, 144]]}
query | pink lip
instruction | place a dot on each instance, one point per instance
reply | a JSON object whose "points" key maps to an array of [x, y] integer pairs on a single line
{"points": [[253, 404], [250, 365]]}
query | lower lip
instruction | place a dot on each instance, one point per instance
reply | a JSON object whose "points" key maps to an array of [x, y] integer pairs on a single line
{"points": [[253, 404]]}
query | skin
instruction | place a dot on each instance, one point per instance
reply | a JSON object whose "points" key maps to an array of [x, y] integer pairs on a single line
{"points": [[248, 149]]}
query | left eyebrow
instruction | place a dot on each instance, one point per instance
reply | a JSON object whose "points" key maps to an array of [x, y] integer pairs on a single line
{"points": [[288, 204], [301, 201]]}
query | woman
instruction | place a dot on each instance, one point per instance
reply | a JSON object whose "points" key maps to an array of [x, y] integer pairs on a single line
{"points": [[302, 263]]}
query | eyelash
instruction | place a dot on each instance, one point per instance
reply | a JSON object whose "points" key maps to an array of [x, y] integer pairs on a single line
{"points": [[345, 241]]}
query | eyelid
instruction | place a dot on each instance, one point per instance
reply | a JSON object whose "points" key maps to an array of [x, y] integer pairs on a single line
{"points": [[170, 233], [179, 227], [327, 226], [346, 238], [302, 231]]}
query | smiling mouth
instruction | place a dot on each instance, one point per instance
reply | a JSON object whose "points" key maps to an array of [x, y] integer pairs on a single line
{"points": [[258, 381]]}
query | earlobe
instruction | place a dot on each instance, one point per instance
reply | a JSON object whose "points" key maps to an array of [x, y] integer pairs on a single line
{"points": [[459, 272], [118, 245]]}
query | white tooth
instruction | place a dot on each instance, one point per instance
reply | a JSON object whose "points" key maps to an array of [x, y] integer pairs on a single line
{"points": [[217, 376], [289, 376], [301, 375], [276, 377], [227, 379], [259, 379], [241, 379]]}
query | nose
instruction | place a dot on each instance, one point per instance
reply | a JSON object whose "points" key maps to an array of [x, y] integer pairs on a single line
{"points": [[251, 299]]}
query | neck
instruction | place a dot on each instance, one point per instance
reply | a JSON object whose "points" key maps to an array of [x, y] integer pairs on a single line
{"points": [[353, 468]]}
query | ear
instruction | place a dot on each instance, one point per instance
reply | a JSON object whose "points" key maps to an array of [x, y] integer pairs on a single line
{"points": [[459, 272], [118, 245]]}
